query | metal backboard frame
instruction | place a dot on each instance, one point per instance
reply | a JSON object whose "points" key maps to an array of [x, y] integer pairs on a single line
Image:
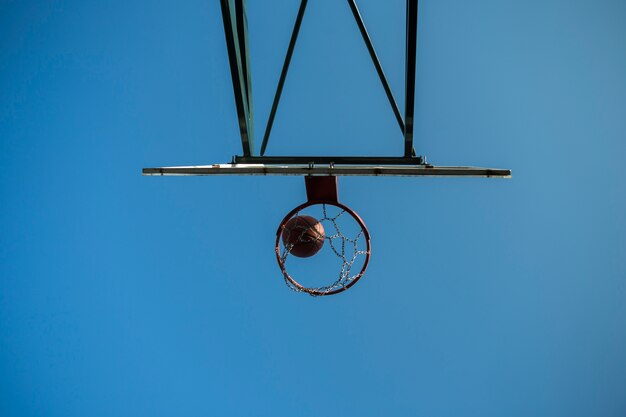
{"points": [[249, 163], [334, 170]]}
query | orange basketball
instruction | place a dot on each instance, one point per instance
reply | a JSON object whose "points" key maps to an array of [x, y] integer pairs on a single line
{"points": [[303, 236]]}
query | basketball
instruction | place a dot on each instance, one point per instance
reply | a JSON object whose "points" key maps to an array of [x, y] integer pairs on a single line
{"points": [[303, 236]]}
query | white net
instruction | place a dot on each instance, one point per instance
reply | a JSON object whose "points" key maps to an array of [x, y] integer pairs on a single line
{"points": [[342, 257]]}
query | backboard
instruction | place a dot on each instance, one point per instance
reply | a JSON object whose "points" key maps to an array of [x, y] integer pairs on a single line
{"points": [[330, 169], [251, 163]]}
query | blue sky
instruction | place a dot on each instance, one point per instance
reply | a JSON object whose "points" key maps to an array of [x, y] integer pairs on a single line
{"points": [[123, 295]]}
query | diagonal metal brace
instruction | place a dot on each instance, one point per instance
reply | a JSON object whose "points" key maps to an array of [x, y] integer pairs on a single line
{"points": [[283, 75], [376, 61]]}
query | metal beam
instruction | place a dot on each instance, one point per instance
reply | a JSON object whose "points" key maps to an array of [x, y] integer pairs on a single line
{"points": [[325, 160], [376, 61], [283, 74], [234, 17], [244, 53], [411, 46], [305, 170]]}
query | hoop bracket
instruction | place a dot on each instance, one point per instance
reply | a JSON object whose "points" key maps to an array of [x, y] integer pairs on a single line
{"points": [[321, 188]]}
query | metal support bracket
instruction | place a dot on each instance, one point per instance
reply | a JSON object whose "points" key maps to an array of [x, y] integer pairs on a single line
{"points": [[411, 48], [321, 188]]}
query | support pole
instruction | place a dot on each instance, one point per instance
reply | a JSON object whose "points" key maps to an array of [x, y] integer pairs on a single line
{"points": [[235, 30], [411, 47]]}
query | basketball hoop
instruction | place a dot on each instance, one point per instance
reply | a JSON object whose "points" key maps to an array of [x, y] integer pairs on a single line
{"points": [[352, 248], [334, 232]]}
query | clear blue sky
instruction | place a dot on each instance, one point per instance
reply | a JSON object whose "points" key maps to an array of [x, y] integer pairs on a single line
{"points": [[123, 295]]}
